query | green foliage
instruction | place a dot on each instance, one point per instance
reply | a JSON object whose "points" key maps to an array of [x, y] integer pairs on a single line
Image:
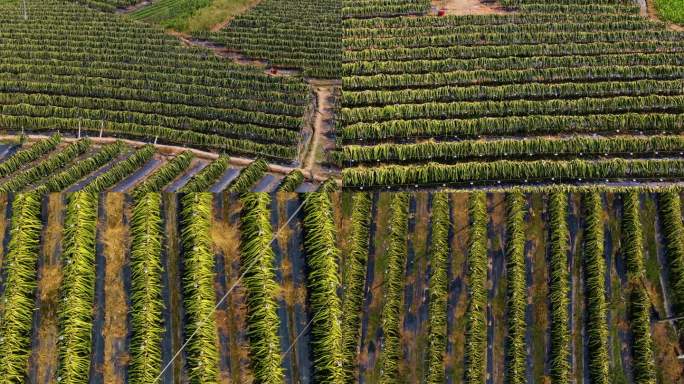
{"points": [[439, 289], [512, 171], [121, 170], [146, 299], [559, 288], [595, 289], [16, 316], [170, 13], [670, 216], [248, 176], [164, 175], [643, 363], [45, 167], [671, 10], [27, 155], [354, 282], [77, 292], [516, 301], [476, 315], [205, 178], [632, 236], [300, 34], [323, 282], [258, 265], [198, 283], [391, 353], [291, 181], [80, 169], [329, 186]]}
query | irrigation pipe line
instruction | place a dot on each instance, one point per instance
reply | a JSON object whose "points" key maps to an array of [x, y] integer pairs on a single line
{"points": [[225, 296]]}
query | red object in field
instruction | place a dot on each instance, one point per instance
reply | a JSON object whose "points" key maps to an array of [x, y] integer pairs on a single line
{"points": [[441, 12], [274, 71]]}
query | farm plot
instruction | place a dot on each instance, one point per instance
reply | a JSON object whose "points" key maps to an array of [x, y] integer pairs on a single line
{"points": [[290, 34], [53, 164], [373, 288], [545, 93], [68, 68]]}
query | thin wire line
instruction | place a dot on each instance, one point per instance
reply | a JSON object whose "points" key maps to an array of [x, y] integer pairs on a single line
{"points": [[225, 296], [298, 336]]}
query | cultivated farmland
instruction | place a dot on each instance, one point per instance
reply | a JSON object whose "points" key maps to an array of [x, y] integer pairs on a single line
{"points": [[343, 288], [531, 94]]}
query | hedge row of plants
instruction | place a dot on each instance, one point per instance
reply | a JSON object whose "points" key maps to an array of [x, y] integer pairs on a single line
{"points": [[476, 314], [582, 146], [199, 296], [323, 281], [516, 172], [76, 171], [516, 287], [412, 130], [438, 291], [391, 352], [19, 283], [205, 178], [258, 265], [164, 175], [632, 243], [248, 176], [147, 304], [45, 167], [594, 266], [559, 287], [672, 229], [120, 170], [354, 279], [26, 155], [77, 292]]}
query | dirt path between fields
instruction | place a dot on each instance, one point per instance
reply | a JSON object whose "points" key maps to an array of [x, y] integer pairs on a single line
{"points": [[134, 7], [468, 7], [649, 10], [321, 139]]}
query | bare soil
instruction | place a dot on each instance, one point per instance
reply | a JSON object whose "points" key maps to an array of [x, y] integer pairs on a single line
{"points": [[468, 7], [115, 328], [134, 7], [320, 142]]}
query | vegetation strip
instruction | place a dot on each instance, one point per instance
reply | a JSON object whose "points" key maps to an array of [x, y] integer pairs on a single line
{"points": [[595, 289], [203, 180], [559, 288], [323, 282], [516, 301], [45, 167], [258, 265], [643, 365], [78, 170], [476, 315], [146, 298], [248, 176], [164, 175], [438, 291], [78, 288], [20, 274], [354, 282], [291, 181], [672, 229], [120, 170], [392, 309], [199, 296], [27, 155]]}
